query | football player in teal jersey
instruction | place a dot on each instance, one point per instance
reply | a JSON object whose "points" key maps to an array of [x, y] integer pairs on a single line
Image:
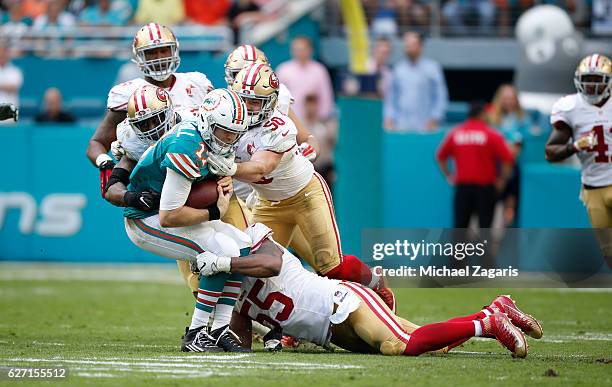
{"points": [[177, 231]]}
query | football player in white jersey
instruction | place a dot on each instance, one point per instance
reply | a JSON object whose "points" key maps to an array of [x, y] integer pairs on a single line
{"points": [[156, 52], [290, 193], [281, 294], [151, 114], [582, 125]]}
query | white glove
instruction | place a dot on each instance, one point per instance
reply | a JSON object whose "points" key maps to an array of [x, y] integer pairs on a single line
{"points": [[117, 150], [222, 165], [307, 151], [585, 142], [210, 264]]}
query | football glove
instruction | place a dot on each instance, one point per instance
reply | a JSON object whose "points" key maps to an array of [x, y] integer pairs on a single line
{"points": [[221, 165], [117, 150], [210, 264], [106, 168], [585, 142], [307, 151], [144, 201]]}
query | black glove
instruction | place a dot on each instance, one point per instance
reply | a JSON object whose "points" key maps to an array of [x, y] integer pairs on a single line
{"points": [[145, 200], [8, 110]]}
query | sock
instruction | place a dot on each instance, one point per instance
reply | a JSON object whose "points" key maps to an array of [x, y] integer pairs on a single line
{"points": [[225, 304], [352, 269], [209, 291], [436, 336], [476, 316]]}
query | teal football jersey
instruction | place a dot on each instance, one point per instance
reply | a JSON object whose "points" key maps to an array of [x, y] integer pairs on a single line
{"points": [[181, 149]]}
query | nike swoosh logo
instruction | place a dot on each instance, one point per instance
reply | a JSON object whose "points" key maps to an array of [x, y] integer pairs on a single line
{"points": [[285, 134]]}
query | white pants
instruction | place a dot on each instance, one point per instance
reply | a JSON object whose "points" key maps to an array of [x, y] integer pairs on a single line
{"points": [[186, 242]]}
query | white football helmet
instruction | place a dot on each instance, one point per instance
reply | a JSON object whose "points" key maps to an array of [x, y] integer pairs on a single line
{"points": [[222, 120]]}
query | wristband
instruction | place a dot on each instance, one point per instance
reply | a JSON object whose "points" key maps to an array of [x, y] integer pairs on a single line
{"points": [[102, 158], [119, 175], [214, 213]]}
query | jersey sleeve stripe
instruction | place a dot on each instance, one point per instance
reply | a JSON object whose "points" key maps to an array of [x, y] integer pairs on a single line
{"points": [[189, 162], [183, 168]]}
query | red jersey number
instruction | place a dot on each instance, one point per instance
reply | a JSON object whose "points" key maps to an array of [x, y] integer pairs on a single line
{"points": [[274, 123], [266, 304], [601, 148]]}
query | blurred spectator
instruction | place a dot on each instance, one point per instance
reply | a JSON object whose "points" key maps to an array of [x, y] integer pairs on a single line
{"points": [[379, 63], [476, 150], [14, 22], [207, 12], [410, 13], [101, 14], [11, 78], [602, 17], [417, 96], [54, 112], [166, 12], [459, 14], [243, 13], [508, 117], [326, 133], [56, 16], [33, 8], [304, 76]]}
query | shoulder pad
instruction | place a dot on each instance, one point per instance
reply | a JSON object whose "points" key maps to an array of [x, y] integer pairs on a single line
{"points": [[279, 138], [285, 99], [566, 103], [199, 79], [119, 95]]}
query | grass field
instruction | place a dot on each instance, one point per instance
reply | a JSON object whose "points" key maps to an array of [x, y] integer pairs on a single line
{"points": [[122, 326]]}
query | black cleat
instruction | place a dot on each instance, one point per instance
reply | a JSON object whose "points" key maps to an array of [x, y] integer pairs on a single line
{"points": [[198, 340], [228, 340], [272, 341]]}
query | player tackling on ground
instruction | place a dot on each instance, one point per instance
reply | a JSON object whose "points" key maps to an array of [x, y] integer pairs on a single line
{"points": [[280, 293], [582, 125]]}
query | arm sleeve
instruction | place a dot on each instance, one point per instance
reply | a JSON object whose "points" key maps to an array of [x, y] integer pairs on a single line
{"points": [[175, 191], [440, 94]]}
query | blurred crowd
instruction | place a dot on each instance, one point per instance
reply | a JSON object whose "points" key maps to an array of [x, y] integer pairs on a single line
{"points": [[19, 16], [461, 17]]}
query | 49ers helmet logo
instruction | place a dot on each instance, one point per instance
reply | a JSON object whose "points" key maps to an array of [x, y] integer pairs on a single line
{"points": [[274, 81], [162, 95]]}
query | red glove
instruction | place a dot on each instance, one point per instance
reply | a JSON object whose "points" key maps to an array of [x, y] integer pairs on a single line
{"points": [[106, 168]]}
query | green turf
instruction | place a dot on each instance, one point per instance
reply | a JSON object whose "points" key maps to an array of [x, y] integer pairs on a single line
{"points": [[127, 333]]}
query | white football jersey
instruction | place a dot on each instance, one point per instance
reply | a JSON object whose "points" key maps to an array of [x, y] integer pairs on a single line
{"points": [[188, 89], [285, 99], [584, 118], [134, 146], [296, 300], [278, 135]]}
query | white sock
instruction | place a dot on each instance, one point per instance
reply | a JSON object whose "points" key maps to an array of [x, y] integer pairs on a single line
{"points": [[199, 318], [477, 328], [260, 329], [486, 312], [223, 316]]}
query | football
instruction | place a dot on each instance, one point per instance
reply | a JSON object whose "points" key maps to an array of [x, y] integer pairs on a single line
{"points": [[203, 194]]}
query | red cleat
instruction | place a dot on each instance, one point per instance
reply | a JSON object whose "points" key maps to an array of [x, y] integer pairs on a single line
{"points": [[528, 324], [499, 325], [388, 297]]}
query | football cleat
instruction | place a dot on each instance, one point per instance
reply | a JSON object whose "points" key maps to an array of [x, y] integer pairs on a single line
{"points": [[528, 324], [227, 340], [198, 340], [499, 325], [272, 341]]}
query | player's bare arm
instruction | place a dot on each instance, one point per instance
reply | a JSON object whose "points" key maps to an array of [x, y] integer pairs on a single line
{"points": [[261, 164], [118, 182], [304, 136], [263, 263], [104, 135], [558, 146], [184, 216]]}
